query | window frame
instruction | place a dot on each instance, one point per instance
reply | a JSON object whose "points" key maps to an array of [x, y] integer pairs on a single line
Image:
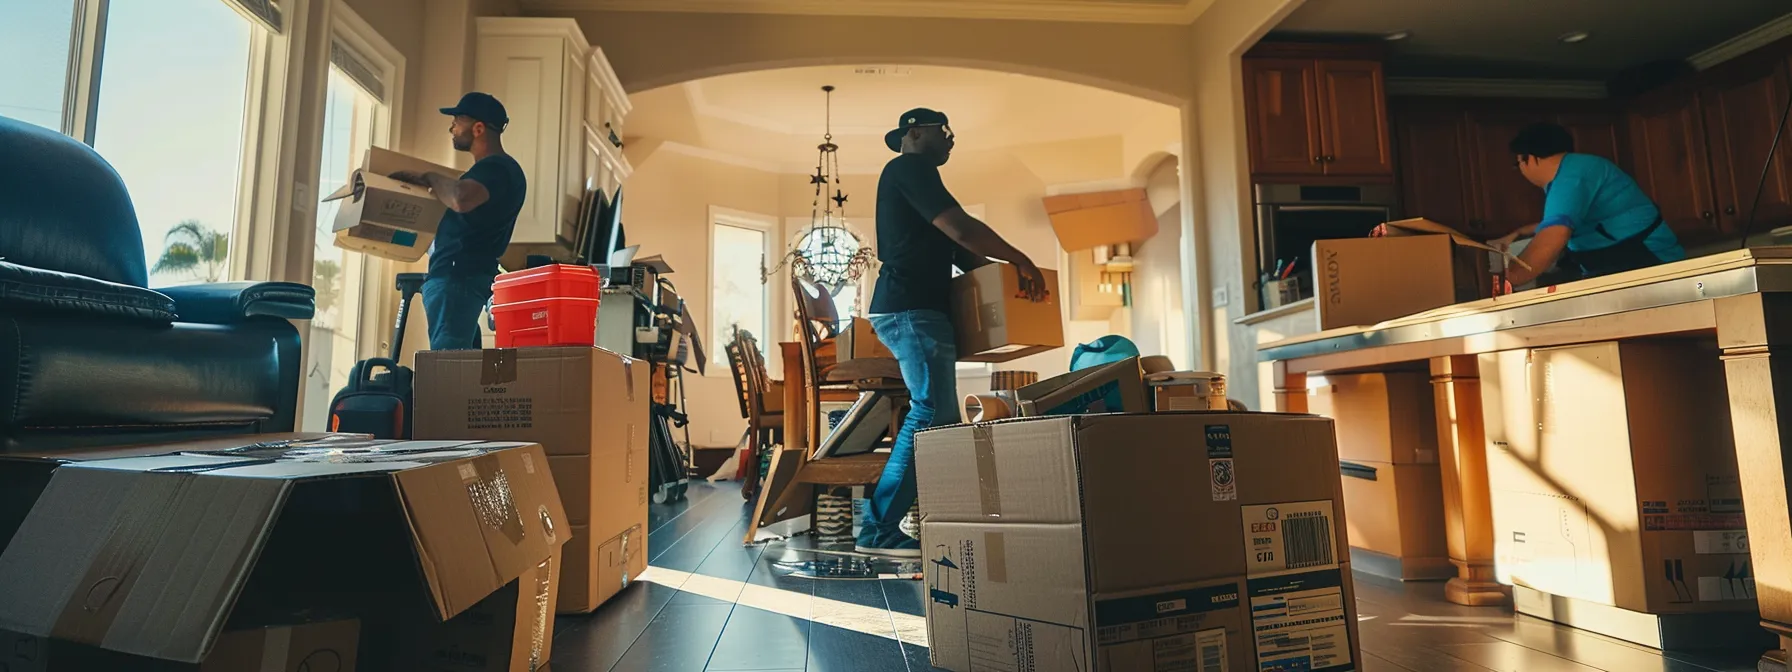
{"points": [[767, 225]]}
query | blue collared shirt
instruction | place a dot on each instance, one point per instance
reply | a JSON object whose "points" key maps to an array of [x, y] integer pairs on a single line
{"points": [[1591, 195]]}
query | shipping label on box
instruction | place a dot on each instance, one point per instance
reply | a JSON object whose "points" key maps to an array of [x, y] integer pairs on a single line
{"points": [[1296, 587], [1173, 630]]}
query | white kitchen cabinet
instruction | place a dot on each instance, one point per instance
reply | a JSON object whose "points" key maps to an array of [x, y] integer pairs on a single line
{"points": [[555, 85]]}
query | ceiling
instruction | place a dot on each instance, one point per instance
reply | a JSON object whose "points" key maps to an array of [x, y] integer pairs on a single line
{"points": [[1518, 38], [1105, 11], [774, 119]]}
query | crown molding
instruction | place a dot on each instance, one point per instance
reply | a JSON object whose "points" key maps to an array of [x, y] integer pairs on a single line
{"points": [[1759, 36], [516, 26], [1089, 11], [1496, 88]]}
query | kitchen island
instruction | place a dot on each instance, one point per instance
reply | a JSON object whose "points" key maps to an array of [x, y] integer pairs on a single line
{"points": [[1741, 300]]}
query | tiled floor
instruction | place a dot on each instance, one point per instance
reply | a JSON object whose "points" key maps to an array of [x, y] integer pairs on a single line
{"points": [[709, 603]]}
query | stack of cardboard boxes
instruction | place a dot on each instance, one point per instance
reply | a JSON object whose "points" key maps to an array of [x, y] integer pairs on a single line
{"points": [[1077, 543], [1617, 504], [588, 408], [322, 551], [1387, 451]]}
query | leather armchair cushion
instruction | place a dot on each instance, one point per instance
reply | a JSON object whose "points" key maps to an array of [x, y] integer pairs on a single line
{"points": [[35, 289], [233, 302], [80, 373]]}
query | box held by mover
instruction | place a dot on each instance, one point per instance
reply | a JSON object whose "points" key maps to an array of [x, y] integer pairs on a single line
{"points": [[1419, 266], [1049, 535], [996, 322], [385, 217]]}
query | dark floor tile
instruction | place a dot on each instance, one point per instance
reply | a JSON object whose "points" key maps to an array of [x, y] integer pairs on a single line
{"points": [[834, 649], [761, 640], [680, 639], [596, 641]]}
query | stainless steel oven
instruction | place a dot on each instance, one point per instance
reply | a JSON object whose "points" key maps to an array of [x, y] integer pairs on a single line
{"points": [[1291, 216]]}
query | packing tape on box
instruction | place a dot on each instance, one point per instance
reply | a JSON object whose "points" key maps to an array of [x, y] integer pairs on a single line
{"points": [[989, 483], [986, 407], [995, 546]]}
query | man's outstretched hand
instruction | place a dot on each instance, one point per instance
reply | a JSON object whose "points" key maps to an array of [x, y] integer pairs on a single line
{"points": [[1032, 281]]}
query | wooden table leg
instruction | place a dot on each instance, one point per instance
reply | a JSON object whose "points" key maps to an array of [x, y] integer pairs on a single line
{"points": [[1290, 389], [1755, 332], [1462, 459]]}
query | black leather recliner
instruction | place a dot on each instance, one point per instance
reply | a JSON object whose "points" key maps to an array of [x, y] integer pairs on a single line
{"points": [[89, 355]]}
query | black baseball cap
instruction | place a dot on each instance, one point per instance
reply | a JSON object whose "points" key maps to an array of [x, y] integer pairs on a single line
{"points": [[480, 107], [914, 118]]}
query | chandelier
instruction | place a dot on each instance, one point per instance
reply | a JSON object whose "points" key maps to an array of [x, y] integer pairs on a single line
{"points": [[827, 253]]}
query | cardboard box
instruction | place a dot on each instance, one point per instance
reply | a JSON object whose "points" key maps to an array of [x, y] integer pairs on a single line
{"points": [[511, 630], [587, 407], [1078, 543], [1115, 387], [152, 554], [1187, 391], [384, 217], [859, 341], [1094, 219], [1397, 519], [616, 563], [1614, 478], [1366, 281], [1381, 417], [328, 645], [996, 322]]}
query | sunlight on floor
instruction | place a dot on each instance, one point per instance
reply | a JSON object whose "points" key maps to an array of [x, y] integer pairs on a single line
{"points": [[876, 621]]}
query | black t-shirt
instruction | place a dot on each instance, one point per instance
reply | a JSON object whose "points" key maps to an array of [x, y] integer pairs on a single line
{"points": [[917, 256], [470, 244]]}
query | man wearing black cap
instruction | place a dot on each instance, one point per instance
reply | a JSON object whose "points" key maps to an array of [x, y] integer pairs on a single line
{"points": [[482, 207], [921, 234]]}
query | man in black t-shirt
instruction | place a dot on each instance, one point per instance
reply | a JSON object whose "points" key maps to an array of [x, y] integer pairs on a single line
{"points": [[921, 234], [483, 204]]}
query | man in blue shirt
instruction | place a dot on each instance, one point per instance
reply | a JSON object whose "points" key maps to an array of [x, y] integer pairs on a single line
{"points": [[1595, 218], [483, 204]]}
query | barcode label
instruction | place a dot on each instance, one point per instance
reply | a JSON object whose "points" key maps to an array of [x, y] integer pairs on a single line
{"points": [[1289, 537], [1307, 541]]}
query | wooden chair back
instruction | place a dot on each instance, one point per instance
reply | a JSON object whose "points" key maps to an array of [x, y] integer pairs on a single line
{"points": [[737, 366]]}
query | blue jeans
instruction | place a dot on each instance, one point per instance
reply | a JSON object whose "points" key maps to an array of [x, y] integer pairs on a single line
{"points": [[927, 350], [453, 304]]}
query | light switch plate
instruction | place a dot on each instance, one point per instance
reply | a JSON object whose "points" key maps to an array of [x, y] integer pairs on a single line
{"points": [[1221, 297], [302, 200]]}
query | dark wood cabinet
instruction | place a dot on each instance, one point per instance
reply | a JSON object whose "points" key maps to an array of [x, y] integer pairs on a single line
{"points": [[1435, 179], [1504, 199], [1670, 162], [1308, 115], [1354, 118], [1282, 101], [1742, 104]]}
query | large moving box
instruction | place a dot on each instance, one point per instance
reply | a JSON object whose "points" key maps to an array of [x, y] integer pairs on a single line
{"points": [[1077, 543], [1387, 446], [385, 217], [330, 645], [153, 550], [588, 408], [1614, 476], [996, 322]]}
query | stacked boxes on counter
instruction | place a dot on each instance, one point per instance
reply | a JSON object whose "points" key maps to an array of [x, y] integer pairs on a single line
{"points": [[324, 551], [588, 408], [1615, 484], [1077, 543], [1387, 451]]}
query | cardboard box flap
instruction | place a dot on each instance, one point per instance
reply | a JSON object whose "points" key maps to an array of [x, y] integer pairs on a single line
{"points": [[480, 523], [382, 163], [1419, 226], [146, 563], [237, 442], [1011, 472]]}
